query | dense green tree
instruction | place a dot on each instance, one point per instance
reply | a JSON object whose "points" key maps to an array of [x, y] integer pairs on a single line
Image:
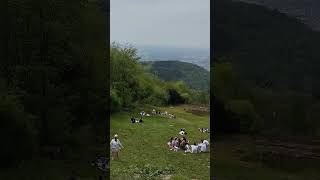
{"points": [[55, 72]]}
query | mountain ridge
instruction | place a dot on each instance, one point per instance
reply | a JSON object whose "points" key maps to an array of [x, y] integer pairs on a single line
{"points": [[308, 11], [194, 76]]}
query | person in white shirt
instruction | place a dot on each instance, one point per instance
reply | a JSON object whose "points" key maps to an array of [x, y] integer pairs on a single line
{"points": [[194, 148], [182, 131], [207, 144], [176, 144], [115, 146], [203, 145], [188, 148]]}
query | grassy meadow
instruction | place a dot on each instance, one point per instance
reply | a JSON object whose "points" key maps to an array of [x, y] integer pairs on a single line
{"points": [[146, 155]]}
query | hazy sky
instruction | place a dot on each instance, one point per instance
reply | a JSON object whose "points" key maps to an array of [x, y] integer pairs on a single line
{"points": [[182, 23]]}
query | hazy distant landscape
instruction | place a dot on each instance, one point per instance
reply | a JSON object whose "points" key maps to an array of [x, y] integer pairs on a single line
{"points": [[197, 56]]}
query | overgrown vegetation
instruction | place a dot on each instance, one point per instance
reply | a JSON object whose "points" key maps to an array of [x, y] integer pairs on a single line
{"points": [[132, 84], [264, 76], [194, 76], [53, 77], [240, 107]]}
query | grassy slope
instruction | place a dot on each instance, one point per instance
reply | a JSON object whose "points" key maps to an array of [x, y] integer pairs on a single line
{"points": [[146, 144]]}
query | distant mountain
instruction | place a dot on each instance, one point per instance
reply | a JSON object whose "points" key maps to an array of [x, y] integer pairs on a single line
{"points": [[192, 75], [308, 11], [198, 56]]}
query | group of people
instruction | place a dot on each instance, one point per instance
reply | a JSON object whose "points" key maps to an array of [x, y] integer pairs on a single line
{"points": [[134, 120], [142, 113], [156, 112], [182, 143], [204, 130]]}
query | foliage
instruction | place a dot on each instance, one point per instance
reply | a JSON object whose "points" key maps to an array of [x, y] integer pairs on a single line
{"points": [[132, 83], [18, 131], [195, 77], [240, 107], [264, 71], [267, 47], [54, 74]]}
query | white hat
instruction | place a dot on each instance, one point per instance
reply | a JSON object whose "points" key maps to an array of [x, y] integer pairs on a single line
{"points": [[116, 135]]}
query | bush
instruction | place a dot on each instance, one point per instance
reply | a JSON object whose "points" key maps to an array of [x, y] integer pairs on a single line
{"points": [[115, 101], [244, 112], [17, 131]]}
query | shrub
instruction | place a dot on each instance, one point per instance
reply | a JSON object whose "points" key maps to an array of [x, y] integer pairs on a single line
{"points": [[17, 131]]}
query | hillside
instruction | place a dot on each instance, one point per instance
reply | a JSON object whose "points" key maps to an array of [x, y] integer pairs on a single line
{"points": [[194, 76], [267, 46], [146, 155], [308, 11]]}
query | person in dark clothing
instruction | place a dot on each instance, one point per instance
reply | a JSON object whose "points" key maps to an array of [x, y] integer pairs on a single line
{"points": [[133, 120]]}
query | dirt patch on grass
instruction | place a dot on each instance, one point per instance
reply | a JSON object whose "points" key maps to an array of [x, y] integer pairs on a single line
{"points": [[166, 177], [198, 110]]}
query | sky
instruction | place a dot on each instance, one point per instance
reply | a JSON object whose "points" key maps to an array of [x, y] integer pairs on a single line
{"points": [[170, 23]]}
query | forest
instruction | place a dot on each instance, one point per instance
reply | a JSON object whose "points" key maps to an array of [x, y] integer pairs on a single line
{"points": [[194, 76], [265, 77], [53, 78], [265, 102]]}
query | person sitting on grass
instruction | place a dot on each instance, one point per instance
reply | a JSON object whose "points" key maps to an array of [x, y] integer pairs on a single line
{"points": [[176, 144], [194, 148], [204, 130], [183, 132], [205, 145], [188, 148], [183, 144], [184, 138], [115, 146], [201, 147], [133, 120], [142, 113], [170, 143]]}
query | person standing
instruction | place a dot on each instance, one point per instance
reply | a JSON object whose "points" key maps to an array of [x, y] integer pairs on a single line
{"points": [[115, 146]]}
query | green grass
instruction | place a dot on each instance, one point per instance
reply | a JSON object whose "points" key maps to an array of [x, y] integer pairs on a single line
{"points": [[145, 147]]}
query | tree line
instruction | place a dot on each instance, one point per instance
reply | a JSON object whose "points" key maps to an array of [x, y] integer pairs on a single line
{"points": [[133, 84], [53, 78]]}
